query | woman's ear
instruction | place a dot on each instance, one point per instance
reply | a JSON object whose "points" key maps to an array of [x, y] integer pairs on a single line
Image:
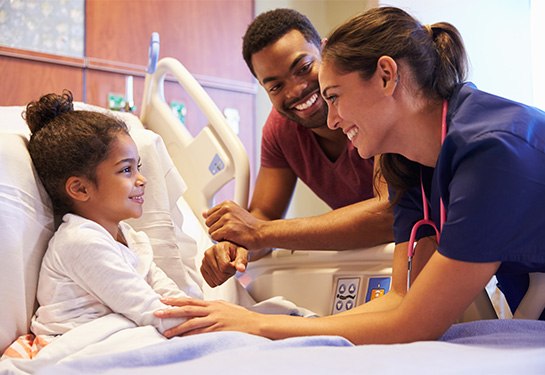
{"points": [[323, 43], [77, 188], [388, 71]]}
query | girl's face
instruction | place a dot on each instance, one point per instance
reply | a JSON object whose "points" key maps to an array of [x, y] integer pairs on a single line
{"points": [[118, 194], [357, 107]]}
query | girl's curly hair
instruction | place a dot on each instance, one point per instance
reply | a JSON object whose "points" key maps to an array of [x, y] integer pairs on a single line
{"points": [[65, 142]]}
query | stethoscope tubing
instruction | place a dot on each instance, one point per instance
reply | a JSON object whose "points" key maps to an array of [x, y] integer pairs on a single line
{"points": [[425, 206]]}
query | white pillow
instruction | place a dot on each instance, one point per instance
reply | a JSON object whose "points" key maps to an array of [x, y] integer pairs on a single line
{"points": [[12, 121], [26, 225], [175, 253]]}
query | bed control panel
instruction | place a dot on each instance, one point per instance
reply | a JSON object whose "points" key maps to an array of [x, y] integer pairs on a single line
{"points": [[216, 165], [346, 294], [349, 288], [376, 287]]}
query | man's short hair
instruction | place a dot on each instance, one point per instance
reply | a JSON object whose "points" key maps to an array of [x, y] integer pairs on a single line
{"points": [[269, 27]]}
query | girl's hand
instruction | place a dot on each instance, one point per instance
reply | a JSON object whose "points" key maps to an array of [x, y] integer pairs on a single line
{"points": [[207, 316]]}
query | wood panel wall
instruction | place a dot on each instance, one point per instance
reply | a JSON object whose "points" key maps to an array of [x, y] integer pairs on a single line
{"points": [[205, 35], [27, 75]]}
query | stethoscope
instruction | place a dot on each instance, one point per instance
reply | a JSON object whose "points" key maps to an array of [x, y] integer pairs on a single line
{"points": [[425, 205]]}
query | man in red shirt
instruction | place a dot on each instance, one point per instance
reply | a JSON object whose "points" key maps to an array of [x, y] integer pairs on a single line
{"points": [[282, 49]]}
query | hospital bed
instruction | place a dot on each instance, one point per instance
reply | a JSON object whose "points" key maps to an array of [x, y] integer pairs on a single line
{"points": [[180, 186]]}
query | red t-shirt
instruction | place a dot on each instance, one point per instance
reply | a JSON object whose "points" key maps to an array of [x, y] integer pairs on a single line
{"points": [[286, 144]]}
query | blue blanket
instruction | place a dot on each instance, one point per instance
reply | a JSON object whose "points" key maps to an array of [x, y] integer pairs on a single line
{"points": [[495, 346]]}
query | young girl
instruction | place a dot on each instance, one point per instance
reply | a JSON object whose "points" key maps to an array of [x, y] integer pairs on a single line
{"points": [[396, 88], [95, 264]]}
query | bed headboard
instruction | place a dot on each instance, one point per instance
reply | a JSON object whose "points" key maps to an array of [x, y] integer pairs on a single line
{"points": [[209, 160]]}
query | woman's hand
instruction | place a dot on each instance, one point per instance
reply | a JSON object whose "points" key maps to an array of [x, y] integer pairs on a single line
{"points": [[207, 316]]}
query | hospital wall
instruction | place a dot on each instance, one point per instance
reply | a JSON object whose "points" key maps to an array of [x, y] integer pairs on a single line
{"points": [[498, 38], [206, 36]]}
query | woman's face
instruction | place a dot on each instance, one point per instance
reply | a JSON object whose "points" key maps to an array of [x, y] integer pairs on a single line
{"points": [[357, 107]]}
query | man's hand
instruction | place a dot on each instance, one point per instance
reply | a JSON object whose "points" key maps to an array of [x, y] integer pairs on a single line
{"points": [[222, 261], [229, 222]]}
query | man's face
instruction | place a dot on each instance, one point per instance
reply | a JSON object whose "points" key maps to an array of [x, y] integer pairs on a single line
{"points": [[288, 71]]}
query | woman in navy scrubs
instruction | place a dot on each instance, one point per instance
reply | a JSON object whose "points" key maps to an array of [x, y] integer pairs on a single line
{"points": [[397, 88], [489, 171]]}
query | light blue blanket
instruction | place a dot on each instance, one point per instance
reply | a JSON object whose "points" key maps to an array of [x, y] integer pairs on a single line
{"points": [[484, 347]]}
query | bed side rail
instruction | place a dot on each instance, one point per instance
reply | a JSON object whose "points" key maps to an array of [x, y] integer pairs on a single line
{"points": [[209, 160]]}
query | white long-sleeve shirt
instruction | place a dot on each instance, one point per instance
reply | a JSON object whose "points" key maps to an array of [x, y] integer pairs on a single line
{"points": [[87, 274]]}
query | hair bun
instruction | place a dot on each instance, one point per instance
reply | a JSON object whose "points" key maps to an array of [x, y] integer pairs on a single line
{"points": [[40, 113]]}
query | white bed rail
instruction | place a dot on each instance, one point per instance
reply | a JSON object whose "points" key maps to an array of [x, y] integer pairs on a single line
{"points": [[207, 161]]}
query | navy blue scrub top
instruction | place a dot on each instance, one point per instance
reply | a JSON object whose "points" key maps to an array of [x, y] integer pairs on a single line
{"points": [[491, 176]]}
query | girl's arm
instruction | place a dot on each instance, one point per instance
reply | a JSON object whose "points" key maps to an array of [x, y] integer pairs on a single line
{"points": [[162, 284], [106, 275]]}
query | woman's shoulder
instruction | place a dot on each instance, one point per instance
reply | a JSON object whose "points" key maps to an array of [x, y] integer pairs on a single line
{"points": [[478, 116]]}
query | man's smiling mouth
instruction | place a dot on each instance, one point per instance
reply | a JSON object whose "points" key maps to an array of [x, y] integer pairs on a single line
{"points": [[308, 103]]}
